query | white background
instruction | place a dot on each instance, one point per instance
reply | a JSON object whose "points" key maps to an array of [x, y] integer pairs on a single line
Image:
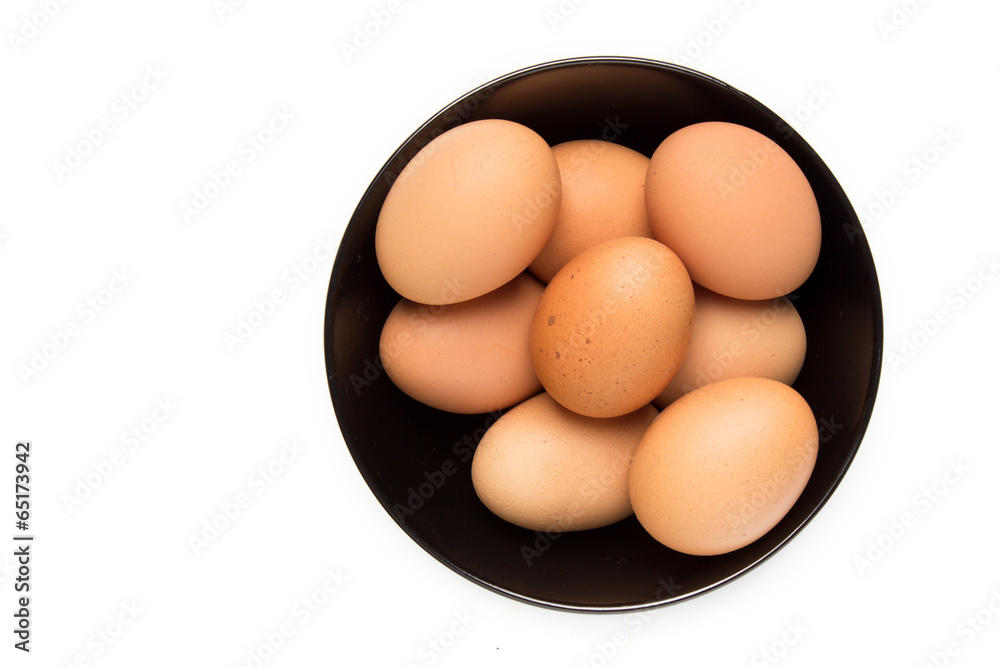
{"points": [[878, 99]]}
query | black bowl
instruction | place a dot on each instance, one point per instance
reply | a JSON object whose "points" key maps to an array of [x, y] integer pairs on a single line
{"points": [[416, 459]]}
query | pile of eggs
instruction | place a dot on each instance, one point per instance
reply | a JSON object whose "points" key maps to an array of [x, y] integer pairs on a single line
{"points": [[584, 287]]}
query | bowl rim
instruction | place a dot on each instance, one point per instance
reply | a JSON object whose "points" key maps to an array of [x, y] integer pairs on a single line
{"points": [[843, 202]]}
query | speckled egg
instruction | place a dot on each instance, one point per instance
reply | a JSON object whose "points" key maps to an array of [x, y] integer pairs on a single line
{"points": [[612, 327]]}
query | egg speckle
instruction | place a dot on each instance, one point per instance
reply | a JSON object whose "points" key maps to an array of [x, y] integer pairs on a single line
{"points": [[610, 342]]}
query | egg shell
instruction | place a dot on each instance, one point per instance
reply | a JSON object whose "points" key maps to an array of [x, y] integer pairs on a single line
{"points": [[612, 327], [722, 465], [736, 208], [737, 338], [468, 357], [602, 199], [468, 213], [543, 467]]}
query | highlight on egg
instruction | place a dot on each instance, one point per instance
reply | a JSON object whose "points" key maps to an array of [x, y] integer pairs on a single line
{"points": [[543, 467], [722, 465], [736, 208], [468, 213]]}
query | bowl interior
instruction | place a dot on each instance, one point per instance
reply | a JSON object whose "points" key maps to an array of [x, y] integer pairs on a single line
{"points": [[416, 459]]}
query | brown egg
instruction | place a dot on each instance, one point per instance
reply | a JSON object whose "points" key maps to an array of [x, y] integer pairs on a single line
{"points": [[543, 467], [468, 213], [736, 209], [736, 338], [612, 327], [722, 465], [467, 357], [602, 199]]}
